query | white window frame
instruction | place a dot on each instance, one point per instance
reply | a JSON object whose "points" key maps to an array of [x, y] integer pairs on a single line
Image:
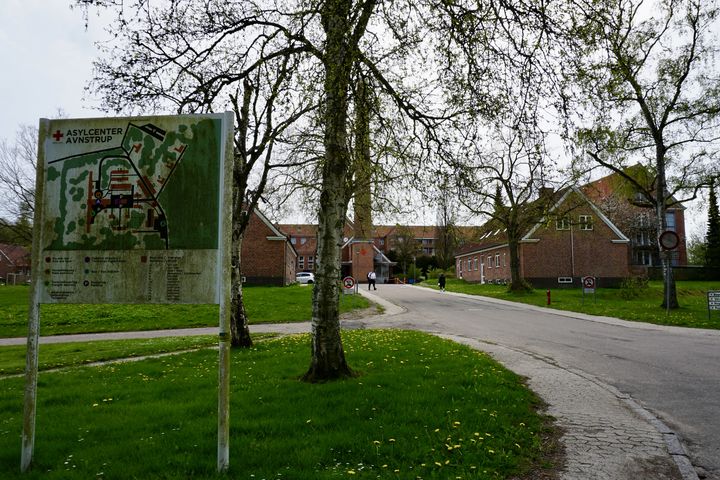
{"points": [[301, 263], [489, 262], [562, 223], [586, 222], [497, 260]]}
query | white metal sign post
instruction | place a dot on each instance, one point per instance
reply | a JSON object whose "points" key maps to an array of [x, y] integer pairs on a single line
{"points": [[588, 286], [713, 299], [132, 210], [349, 285]]}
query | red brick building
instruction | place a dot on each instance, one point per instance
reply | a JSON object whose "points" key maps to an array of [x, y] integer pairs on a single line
{"points": [[14, 264], [268, 257], [602, 229], [557, 250], [634, 215], [361, 255]]}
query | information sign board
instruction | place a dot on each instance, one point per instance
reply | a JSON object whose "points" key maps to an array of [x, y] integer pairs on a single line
{"points": [[130, 210], [713, 300]]}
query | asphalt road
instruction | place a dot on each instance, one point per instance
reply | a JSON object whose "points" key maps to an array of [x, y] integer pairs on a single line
{"points": [[673, 372]]}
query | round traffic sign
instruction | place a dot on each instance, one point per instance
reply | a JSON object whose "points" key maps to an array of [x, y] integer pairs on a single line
{"points": [[348, 282], [669, 240], [588, 282]]}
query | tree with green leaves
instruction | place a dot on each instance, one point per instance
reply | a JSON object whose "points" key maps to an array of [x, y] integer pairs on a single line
{"points": [[176, 56], [712, 240], [648, 92], [17, 186], [405, 247], [196, 55]]}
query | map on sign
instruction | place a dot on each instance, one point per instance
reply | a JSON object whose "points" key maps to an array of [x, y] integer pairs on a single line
{"points": [[134, 209], [136, 194]]}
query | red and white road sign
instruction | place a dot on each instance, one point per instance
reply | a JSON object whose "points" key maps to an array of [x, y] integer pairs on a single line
{"points": [[348, 283]]}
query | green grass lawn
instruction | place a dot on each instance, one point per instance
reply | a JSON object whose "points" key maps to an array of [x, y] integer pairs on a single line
{"points": [[421, 407], [263, 305], [12, 358], [692, 297]]}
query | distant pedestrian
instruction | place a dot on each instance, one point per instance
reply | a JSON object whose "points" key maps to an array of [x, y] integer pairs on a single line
{"points": [[371, 280], [441, 282]]}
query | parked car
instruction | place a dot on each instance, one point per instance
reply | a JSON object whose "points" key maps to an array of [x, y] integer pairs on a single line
{"points": [[305, 277]]}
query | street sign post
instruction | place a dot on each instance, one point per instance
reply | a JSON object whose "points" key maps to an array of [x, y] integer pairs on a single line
{"points": [[349, 285], [588, 286], [132, 210], [669, 241], [713, 299]]}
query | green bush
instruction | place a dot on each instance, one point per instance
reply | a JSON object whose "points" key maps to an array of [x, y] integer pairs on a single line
{"points": [[633, 287], [434, 273]]}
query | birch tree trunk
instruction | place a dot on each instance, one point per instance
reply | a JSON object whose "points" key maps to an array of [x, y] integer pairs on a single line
{"points": [[328, 357]]}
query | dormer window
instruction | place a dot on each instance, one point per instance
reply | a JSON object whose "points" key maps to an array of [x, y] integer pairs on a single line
{"points": [[586, 222], [562, 223]]}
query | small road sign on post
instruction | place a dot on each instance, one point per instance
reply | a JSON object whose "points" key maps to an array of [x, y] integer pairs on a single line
{"points": [[713, 297], [349, 285], [588, 286]]}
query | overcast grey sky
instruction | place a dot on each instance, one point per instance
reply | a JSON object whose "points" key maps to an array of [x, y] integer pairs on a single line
{"points": [[46, 56]]}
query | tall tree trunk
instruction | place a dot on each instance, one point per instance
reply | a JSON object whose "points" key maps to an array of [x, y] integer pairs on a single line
{"points": [[328, 357], [239, 331], [670, 300], [517, 282], [362, 163]]}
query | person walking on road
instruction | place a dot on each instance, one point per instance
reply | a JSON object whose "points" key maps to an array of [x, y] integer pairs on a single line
{"points": [[371, 280], [441, 282]]}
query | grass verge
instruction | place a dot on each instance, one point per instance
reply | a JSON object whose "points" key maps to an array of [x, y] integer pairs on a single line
{"points": [[645, 307], [421, 407], [12, 358], [263, 305]]}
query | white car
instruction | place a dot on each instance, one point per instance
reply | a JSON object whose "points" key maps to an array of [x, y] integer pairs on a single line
{"points": [[305, 277]]}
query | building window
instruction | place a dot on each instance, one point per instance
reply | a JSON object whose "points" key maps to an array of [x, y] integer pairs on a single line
{"points": [[643, 257], [489, 262], [475, 261], [303, 240], [311, 260], [293, 240], [382, 241], [670, 221], [497, 260], [504, 259], [586, 222], [301, 263], [562, 223]]}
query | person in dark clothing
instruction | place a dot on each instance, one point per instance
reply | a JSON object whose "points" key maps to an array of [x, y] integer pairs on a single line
{"points": [[441, 282], [371, 280]]}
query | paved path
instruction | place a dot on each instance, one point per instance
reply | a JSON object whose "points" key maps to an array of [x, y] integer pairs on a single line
{"points": [[607, 433], [672, 372]]}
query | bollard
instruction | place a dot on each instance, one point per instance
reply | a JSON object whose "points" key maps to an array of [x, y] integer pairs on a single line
{"points": [[548, 297]]}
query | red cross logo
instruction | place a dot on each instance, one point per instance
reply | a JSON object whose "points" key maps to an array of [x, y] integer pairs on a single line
{"points": [[57, 135]]}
